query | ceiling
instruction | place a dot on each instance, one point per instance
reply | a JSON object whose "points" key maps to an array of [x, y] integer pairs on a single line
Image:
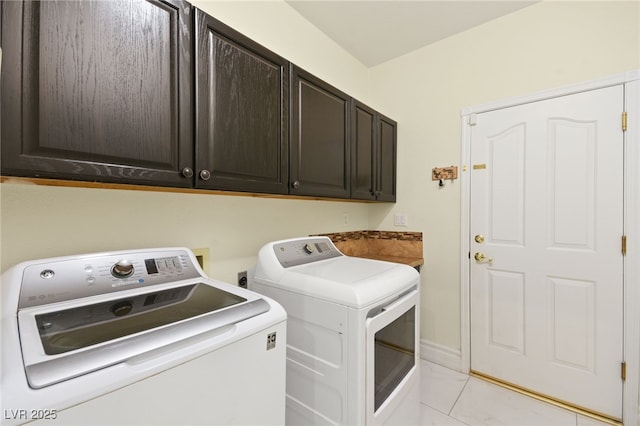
{"points": [[375, 31]]}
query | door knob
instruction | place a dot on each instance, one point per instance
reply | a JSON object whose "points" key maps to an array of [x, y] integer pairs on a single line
{"points": [[482, 258], [479, 238]]}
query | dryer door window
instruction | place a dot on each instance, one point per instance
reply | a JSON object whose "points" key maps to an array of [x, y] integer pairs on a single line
{"points": [[394, 354]]}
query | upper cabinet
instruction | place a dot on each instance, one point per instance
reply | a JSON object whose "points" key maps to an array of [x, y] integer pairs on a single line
{"points": [[156, 92], [373, 154], [386, 164], [242, 115], [98, 90], [320, 156], [363, 146]]}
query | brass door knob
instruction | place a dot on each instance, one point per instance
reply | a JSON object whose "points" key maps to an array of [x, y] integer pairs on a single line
{"points": [[482, 258]]}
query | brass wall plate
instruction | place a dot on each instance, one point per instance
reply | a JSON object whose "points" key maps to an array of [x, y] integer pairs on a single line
{"points": [[202, 256], [440, 173]]}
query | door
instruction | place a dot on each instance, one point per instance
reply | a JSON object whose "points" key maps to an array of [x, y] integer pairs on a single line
{"points": [[242, 115], [98, 91], [545, 236]]}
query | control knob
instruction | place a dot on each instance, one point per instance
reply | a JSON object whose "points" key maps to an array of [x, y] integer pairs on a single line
{"points": [[122, 269], [308, 248], [121, 308]]}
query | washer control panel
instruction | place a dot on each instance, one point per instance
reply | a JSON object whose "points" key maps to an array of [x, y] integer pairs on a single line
{"points": [[303, 251], [60, 279]]}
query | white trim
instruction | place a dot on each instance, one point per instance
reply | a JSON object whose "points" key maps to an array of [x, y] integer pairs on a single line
{"points": [[465, 248], [631, 79], [631, 406], [441, 355], [613, 80]]}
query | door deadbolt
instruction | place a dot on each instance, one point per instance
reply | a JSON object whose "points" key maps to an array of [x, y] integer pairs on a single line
{"points": [[479, 238]]}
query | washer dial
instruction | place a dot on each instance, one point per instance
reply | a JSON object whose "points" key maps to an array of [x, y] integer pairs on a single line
{"points": [[122, 269]]}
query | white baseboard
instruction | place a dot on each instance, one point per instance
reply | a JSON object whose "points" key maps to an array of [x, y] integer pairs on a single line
{"points": [[442, 355]]}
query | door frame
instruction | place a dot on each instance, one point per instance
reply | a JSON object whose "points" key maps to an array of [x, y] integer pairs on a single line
{"points": [[631, 285]]}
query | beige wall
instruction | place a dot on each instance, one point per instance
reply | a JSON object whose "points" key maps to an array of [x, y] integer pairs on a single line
{"points": [[46, 221], [540, 47], [544, 46]]}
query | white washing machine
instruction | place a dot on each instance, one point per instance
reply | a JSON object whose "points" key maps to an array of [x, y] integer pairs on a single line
{"points": [[352, 333], [139, 337]]}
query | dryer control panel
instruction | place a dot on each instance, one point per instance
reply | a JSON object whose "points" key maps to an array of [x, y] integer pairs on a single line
{"points": [[303, 251]]}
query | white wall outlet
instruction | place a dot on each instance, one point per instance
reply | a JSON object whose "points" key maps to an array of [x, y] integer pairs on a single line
{"points": [[401, 219], [345, 218]]}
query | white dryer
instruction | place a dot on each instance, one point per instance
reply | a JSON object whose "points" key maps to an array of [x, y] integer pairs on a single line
{"points": [[138, 337], [352, 333]]}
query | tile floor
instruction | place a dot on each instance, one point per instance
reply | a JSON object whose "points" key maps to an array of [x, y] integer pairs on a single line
{"points": [[453, 398]]}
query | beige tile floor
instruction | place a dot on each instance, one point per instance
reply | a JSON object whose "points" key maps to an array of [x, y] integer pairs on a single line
{"points": [[452, 398]]}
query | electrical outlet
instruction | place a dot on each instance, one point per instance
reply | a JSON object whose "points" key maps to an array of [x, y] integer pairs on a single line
{"points": [[242, 279], [345, 218], [401, 219]]}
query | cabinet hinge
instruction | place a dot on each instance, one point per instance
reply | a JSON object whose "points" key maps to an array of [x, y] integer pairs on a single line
{"points": [[624, 121], [623, 371], [624, 245]]}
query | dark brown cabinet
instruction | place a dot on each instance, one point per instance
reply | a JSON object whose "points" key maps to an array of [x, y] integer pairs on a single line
{"points": [[242, 115], [386, 164], [155, 92], [373, 155], [98, 90], [319, 150]]}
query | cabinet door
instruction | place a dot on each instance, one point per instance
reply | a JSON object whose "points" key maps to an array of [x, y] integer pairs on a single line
{"points": [[373, 141], [242, 112], [386, 168], [320, 157], [98, 90], [363, 152]]}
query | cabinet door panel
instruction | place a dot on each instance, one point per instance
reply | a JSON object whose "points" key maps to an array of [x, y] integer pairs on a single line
{"points": [[242, 115], [320, 157], [373, 138], [387, 130], [363, 140], [103, 90]]}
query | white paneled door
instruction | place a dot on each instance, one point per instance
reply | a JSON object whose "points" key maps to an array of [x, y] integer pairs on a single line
{"points": [[546, 225]]}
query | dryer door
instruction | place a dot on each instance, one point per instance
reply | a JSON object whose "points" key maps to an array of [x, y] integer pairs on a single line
{"points": [[392, 356]]}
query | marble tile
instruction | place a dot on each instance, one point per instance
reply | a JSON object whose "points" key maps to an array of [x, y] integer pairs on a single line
{"points": [[483, 403], [588, 421], [441, 386], [433, 417]]}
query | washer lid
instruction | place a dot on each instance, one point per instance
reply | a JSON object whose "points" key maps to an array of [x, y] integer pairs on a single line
{"points": [[350, 281], [64, 340]]}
